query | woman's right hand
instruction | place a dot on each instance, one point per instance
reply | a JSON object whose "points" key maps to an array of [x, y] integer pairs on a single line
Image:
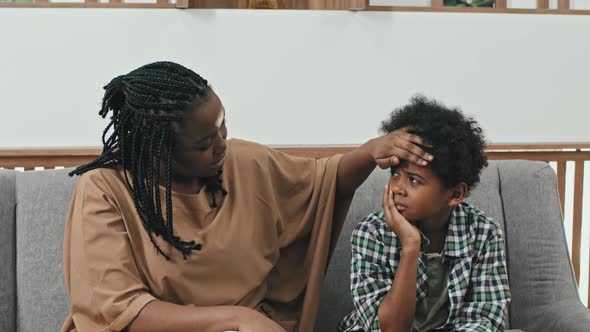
{"points": [[405, 231], [252, 321]]}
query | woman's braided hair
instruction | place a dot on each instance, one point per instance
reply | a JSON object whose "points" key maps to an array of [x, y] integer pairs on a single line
{"points": [[147, 104]]}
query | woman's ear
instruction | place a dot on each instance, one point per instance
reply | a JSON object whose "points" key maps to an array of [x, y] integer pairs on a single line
{"points": [[458, 194]]}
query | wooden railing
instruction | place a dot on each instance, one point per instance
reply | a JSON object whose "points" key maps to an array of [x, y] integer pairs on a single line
{"points": [[501, 6], [159, 4], [559, 155]]}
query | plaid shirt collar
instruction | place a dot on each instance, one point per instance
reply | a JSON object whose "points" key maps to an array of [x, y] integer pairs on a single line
{"points": [[457, 245], [478, 293]]}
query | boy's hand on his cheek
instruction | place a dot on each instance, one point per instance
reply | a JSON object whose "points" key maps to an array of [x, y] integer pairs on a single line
{"points": [[405, 231], [390, 149]]}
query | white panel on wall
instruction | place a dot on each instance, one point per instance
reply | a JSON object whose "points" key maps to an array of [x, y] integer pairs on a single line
{"points": [[299, 77], [580, 4]]}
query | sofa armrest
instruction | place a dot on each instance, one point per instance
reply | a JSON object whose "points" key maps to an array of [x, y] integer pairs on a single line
{"points": [[570, 316], [563, 316]]}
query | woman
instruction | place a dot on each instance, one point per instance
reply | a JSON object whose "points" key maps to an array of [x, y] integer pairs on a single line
{"points": [[175, 228]]}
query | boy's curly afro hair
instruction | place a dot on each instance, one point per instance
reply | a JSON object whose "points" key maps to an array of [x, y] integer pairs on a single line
{"points": [[457, 141]]}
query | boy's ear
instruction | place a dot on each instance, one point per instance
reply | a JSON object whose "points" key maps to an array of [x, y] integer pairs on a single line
{"points": [[458, 194]]}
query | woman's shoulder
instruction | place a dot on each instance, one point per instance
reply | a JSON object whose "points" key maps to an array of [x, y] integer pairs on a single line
{"points": [[103, 179], [246, 151], [243, 147]]}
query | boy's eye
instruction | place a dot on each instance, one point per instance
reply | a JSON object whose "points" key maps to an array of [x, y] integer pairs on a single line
{"points": [[394, 172], [413, 180]]}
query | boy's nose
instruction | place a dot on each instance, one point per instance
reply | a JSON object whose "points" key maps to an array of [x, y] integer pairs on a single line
{"points": [[398, 189]]}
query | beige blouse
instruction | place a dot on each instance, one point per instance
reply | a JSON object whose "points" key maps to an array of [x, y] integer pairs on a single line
{"points": [[265, 247]]}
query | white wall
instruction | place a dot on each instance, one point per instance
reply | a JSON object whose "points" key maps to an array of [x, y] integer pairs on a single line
{"points": [[299, 77]]}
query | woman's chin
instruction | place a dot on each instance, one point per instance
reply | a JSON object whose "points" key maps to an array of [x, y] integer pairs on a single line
{"points": [[209, 173]]}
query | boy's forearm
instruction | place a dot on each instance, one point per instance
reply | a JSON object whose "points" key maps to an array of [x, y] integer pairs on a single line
{"points": [[396, 311]]}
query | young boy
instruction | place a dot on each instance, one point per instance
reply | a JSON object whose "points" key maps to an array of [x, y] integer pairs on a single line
{"points": [[430, 261]]}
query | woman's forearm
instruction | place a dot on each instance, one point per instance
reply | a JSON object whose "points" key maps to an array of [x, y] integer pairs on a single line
{"points": [[353, 169], [396, 311], [165, 316]]}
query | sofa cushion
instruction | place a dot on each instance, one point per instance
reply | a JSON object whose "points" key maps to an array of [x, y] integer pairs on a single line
{"points": [[7, 248], [42, 199]]}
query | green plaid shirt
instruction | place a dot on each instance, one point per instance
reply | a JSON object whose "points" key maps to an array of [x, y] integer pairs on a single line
{"points": [[473, 251]]}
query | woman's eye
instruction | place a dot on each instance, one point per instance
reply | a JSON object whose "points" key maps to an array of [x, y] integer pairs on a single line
{"points": [[203, 148]]}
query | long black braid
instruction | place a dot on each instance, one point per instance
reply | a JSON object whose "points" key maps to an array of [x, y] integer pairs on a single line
{"points": [[146, 105]]}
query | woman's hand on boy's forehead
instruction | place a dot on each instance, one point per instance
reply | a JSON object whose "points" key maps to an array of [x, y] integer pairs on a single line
{"points": [[390, 149]]}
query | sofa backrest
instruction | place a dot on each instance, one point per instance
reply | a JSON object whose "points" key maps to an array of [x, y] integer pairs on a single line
{"points": [[521, 195], [42, 202], [7, 250], [544, 291]]}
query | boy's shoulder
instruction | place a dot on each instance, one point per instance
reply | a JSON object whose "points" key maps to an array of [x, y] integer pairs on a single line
{"points": [[476, 218], [483, 228]]}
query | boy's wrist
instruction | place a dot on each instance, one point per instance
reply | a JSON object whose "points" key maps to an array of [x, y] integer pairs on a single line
{"points": [[411, 247]]}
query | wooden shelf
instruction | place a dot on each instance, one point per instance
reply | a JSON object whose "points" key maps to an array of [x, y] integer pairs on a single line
{"points": [[364, 5], [280, 4], [479, 10]]}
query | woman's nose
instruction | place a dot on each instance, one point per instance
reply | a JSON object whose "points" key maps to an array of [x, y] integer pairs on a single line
{"points": [[220, 144]]}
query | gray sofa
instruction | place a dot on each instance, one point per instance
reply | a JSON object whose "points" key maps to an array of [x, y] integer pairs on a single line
{"points": [[521, 195]]}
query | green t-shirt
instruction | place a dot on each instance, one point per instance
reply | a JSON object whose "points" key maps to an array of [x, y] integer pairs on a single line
{"points": [[433, 310]]}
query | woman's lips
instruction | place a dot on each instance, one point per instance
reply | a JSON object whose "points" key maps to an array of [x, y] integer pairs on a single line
{"points": [[219, 163]]}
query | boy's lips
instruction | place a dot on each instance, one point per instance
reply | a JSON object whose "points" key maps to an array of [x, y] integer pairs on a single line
{"points": [[400, 207]]}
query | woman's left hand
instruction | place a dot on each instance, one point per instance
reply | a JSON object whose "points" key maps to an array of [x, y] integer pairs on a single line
{"points": [[385, 151], [388, 150]]}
